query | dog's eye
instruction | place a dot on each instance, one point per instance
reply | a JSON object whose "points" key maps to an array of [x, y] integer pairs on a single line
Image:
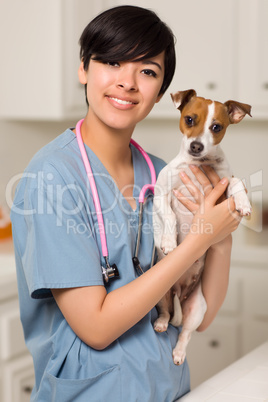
{"points": [[189, 121], [216, 128]]}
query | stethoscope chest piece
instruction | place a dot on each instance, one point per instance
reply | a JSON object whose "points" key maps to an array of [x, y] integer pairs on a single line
{"points": [[109, 272]]}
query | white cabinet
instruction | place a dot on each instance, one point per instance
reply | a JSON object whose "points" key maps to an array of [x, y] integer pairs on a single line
{"points": [[240, 326], [255, 308], [40, 58], [204, 59], [214, 349], [16, 365], [253, 55], [18, 380], [222, 52]]}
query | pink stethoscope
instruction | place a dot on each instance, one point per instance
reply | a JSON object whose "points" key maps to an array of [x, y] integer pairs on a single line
{"points": [[111, 271]]}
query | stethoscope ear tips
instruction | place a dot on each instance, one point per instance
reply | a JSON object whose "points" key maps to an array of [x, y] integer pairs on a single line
{"points": [[109, 272]]}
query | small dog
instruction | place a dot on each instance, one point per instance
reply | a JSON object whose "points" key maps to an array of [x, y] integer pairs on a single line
{"points": [[203, 124]]}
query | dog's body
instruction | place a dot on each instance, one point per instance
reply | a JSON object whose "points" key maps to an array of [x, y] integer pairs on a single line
{"points": [[203, 124]]}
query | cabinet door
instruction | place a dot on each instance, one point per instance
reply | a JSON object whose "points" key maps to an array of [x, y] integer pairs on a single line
{"points": [[205, 32], [214, 349], [18, 380], [232, 303], [77, 14], [255, 296], [12, 339], [30, 34], [253, 55], [40, 58], [255, 312], [255, 332]]}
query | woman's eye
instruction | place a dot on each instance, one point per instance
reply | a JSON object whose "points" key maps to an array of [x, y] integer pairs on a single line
{"points": [[150, 73], [112, 63], [189, 121], [216, 128]]}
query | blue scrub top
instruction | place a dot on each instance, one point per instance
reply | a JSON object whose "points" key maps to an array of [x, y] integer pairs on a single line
{"points": [[57, 245]]}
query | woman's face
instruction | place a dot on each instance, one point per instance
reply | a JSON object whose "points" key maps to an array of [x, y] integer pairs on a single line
{"points": [[122, 94]]}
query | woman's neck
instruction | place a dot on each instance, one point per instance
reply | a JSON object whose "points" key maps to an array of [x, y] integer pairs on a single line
{"points": [[112, 148], [110, 145]]}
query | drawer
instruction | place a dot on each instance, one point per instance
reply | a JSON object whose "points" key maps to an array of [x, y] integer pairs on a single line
{"points": [[12, 339], [18, 380], [255, 332], [232, 302], [214, 349], [255, 295]]}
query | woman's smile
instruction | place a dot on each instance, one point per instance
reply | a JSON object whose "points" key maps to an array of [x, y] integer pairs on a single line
{"points": [[120, 103]]}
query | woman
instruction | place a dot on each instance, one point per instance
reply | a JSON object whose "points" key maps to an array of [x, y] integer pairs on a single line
{"points": [[90, 342]]}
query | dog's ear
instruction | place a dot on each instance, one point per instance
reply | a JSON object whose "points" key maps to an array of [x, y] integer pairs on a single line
{"points": [[237, 111], [180, 98]]}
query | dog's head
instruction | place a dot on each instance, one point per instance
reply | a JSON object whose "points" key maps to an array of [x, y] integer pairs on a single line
{"points": [[204, 122]]}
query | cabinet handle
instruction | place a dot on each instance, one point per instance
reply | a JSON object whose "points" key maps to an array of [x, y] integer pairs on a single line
{"points": [[211, 85], [265, 86], [214, 343], [27, 389]]}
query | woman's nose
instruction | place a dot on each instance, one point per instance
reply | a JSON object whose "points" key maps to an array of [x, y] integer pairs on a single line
{"points": [[126, 80]]}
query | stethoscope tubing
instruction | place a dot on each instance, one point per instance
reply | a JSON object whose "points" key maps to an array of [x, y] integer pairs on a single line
{"points": [[152, 172], [93, 187], [97, 204]]}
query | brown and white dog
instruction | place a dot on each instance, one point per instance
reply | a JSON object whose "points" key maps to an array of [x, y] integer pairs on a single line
{"points": [[203, 124]]}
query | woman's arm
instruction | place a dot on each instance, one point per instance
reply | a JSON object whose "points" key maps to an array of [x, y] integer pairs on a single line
{"points": [[215, 279], [99, 318]]}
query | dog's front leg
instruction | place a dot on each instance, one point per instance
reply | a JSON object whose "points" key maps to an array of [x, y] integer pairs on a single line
{"points": [[169, 235], [193, 311], [165, 223], [165, 228], [237, 190]]}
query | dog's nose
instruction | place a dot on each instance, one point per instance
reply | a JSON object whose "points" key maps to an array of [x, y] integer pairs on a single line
{"points": [[196, 147]]}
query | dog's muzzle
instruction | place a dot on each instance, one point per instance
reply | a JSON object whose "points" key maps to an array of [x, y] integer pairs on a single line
{"points": [[196, 148]]}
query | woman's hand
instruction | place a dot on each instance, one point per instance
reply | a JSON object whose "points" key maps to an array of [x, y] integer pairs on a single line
{"points": [[214, 215]]}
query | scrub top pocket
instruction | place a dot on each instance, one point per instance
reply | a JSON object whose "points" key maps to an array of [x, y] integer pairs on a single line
{"points": [[93, 389]]}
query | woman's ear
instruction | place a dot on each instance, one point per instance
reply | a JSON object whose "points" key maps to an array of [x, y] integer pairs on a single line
{"points": [[82, 74], [159, 98]]}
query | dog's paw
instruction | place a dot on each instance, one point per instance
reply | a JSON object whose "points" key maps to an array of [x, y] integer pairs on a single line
{"points": [[168, 244], [178, 356], [160, 325], [242, 204]]}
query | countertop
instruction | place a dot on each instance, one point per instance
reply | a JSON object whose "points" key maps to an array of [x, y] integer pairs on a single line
{"points": [[246, 380]]}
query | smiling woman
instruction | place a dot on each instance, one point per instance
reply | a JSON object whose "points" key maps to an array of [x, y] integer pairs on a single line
{"points": [[112, 87]]}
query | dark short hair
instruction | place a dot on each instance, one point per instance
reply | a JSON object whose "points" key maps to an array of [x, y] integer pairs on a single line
{"points": [[128, 33]]}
